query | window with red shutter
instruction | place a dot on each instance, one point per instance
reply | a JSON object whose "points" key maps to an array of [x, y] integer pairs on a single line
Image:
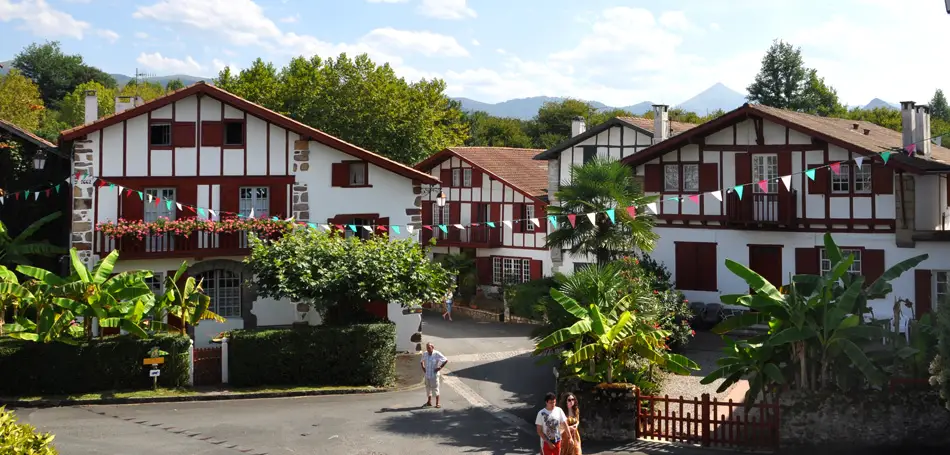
{"points": [[652, 178], [696, 267], [483, 269], [806, 261], [873, 265], [882, 179], [708, 177], [820, 184], [541, 212], [339, 174], [183, 134], [537, 269], [923, 292], [445, 175], [426, 234], [212, 134], [278, 201]]}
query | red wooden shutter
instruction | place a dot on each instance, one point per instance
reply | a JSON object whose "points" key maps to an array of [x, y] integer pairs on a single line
{"points": [[541, 212], [455, 217], [476, 178], [923, 291], [517, 218], [872, 265], [882, 179], [495, 236], [744, 170], [820, 184], [230, 199], [685, 257], [445, 175], [652, 178], [183, 134], [133, 208], [278, 200], [212, 134], [806, 261], [708, 177], [706, 267], [186, 195], [426, 234], [536, 269], [483, 269], [339, 174]]}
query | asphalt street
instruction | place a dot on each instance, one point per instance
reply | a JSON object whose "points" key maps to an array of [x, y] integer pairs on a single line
{"points": [[490, 396]]}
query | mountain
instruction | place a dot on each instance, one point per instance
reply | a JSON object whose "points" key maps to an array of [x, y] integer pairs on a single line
{"points": [[716, 97], [877, 102], [712, 99]]}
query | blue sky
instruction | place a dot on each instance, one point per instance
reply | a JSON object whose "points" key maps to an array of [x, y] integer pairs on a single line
{"points": [[619, 52]]}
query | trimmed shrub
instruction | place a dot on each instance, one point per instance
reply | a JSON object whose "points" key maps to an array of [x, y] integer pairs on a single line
{"points": [[355, 355], [115, 363], [20, 438]]}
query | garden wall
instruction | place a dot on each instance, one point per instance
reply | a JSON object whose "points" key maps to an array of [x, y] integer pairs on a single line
{"points": [[114, 363], [608, 412], [867, 420], [354, 355]]}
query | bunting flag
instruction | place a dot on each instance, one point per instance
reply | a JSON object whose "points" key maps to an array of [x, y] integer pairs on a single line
{"points": [[554, 221]]}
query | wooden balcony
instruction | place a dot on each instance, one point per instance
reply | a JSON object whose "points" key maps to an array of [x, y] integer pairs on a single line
{"points": [[197, 245], [763, 209], [472, 237]]}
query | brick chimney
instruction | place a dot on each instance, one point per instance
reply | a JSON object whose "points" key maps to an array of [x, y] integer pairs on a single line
{"points": [[922, 131], [661, 123], [578, 126], [91, 108]]}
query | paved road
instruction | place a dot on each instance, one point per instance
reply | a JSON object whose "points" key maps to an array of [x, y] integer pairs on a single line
{"points": [[490, 391]]}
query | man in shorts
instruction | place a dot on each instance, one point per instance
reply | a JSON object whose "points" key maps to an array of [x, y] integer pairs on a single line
{"points": [[432, 362], [551, 423]]}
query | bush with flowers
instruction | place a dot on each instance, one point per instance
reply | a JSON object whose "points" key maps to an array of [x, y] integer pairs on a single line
{"points": [[670, 305], [185, 227]]}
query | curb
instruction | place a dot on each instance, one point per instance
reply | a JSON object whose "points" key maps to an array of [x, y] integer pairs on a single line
{"points": [[209, 397]]}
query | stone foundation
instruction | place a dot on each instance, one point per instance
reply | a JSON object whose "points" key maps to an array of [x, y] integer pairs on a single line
{"points": [[608, 411], [476, 314], [867, 420]]}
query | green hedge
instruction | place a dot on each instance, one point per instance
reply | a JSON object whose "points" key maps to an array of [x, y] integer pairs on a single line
{"points": [[113, 363], [356, 355]]}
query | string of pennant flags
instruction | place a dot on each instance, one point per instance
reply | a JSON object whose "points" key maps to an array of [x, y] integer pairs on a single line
{"points": [[555, 220]]}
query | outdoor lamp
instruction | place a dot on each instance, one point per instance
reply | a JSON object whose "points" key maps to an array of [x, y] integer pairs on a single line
{"points": [[440, 201], [39, 160]]}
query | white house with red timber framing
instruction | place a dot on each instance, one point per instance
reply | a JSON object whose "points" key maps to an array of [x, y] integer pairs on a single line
{"points": [[490, 185], [882, 214], [616, 138], [204, 147]]}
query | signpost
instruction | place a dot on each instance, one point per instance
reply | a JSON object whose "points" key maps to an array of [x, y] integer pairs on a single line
{"points": [[154, 359]]}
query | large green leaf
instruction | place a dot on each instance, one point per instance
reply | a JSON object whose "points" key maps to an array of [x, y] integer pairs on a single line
{"points": [[881, 286], [561, 336], [861, 361], [570, 305], [78, 267], [45, 276], [755, 281], [792, 335], [773, 373], [740, 321], [133, 329], [619, 327], [583, 354], [679, 364], [15, 290], [7, 275], [105, 267]]}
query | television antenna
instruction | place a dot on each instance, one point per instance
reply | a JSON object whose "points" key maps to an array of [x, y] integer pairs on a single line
{"points": [[143, 76]]}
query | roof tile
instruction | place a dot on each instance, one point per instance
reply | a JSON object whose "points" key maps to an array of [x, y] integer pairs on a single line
{"points": [[516, 166]]}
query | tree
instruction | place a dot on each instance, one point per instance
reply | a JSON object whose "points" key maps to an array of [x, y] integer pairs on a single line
{"points": [[20, 101], [174, 84], [358, 101], [144, 89], [552, 124], [599, 186], [883, 116], [73, 105], [184, 301], [56, 73], [490, 131], [338, 276], [599, 117], [784, 82], [939, 107]]}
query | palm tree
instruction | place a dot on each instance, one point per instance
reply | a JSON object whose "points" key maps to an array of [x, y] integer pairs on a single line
{"points": [[598, 186], [16, 250]]}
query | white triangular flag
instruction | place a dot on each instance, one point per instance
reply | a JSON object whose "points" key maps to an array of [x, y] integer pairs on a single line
{"points": [[120, 187], [536, 222], [36, 196], [252, 213], [652, 207], [409, 229], [787, 180], [368, 228], [179, 206], [718, 195], [1, 200], [460, 227], [592, 217], [149, 197], [325, 227], [212, 213], [859, 160], [507, 223]]}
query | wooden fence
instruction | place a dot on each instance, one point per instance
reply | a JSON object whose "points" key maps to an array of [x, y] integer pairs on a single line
{"points": [[708, 422], [208, 366]]}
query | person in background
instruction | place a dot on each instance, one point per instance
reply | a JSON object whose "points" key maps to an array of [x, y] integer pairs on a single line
{"points": [[448, 306], [432, 363], [573, 420], [551, 423]]}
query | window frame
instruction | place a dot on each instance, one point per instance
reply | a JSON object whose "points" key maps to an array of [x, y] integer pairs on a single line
{"points": [[253, 201], [520, 269], [845, 250], [467, 176], [224, 133], [151, 136], [937, 295], [528, 215], [679, 171], [850, 176], [215, 306], [771, 180], [588, 154], [456, 177], [349, 174], [440, 215]]}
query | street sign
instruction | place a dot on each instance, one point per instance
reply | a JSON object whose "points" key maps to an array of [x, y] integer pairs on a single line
{"points": [[154, 373], [153, 361]]}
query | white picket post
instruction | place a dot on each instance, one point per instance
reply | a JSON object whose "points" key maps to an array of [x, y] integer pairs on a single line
{"points": [[191, 363], [224, 361]]}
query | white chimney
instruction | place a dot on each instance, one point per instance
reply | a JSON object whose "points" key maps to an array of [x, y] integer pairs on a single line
{"points": [[922, 131], [578, 126], [661, 123], [124, 103], [908, 123], [91, 112]]}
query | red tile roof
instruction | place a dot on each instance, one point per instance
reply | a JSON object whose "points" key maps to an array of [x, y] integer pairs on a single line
{"points": [[258, 111], [513, 166], [26, 134], [647, 124]]}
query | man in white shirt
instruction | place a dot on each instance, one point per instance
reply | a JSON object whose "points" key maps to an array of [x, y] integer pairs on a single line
{"points": [[432, 362], [551, 423]]}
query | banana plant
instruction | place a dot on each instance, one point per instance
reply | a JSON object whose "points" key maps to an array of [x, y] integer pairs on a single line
{"points": [[8, 299], [606, 346], [187, 302], [17, 250], [55, 316]]}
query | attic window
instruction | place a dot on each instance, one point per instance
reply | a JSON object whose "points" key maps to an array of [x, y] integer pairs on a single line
{"points": [[160, 135], [234, 133]]}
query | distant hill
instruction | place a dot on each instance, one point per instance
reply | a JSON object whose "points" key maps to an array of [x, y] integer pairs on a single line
{"points": [[877, 102], [716, 97], [121, 79]]}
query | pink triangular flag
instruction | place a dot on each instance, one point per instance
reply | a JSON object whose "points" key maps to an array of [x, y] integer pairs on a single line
{"points": [[694, 198], [764, 186], [573, 219], [632, 211], [835, 167], [911, 149], [428, 228]]}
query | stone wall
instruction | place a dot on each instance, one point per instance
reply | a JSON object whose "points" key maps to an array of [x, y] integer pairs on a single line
{"points": [[866, 420], [415, 212], [608, 411], [300, 210], [82, 235], [476, 314]]}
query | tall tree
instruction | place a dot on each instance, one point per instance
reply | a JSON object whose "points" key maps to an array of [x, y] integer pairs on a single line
{"points": [[819, 98], [174, 84], [784, 82], [73, 106], [487, 130], [55, 72], [939, 107], [20, 101], [552, 124]]}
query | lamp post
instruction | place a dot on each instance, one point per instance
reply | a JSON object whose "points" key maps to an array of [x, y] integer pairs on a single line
{"points": [[39, 160]]}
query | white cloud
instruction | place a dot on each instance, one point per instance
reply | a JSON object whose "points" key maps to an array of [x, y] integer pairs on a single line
{"points": [[425, 43], [108, 35], [476, 43], [218, 65], [446, 9], [169, 65], [41, 19], [676, 20], [290, 19], [242, 22], [387, 1], [714, 26], [141, 35]]}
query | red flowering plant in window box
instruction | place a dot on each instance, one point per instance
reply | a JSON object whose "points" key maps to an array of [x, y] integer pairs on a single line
{"points": [[185, 227]]}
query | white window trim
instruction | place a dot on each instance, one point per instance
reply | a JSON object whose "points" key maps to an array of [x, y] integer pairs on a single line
{"points": [[937, 278], [842, 179], [517, 268], [217, 275], [364, 175], [865, 169], [261, 205], [529, 213], [467, 177], [667, 168], [456, 177], [858, 260], [766, 166], [690, 187]]}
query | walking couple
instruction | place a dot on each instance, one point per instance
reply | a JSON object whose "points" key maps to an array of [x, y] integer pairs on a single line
{"points": [[557, 429]]}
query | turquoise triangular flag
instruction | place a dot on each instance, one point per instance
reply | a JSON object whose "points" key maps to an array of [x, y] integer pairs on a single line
{"points": [[275, 218], [353, 227], [111, 186], [884, 155], [395, 229], [811, 172], [57, 188], [610, 213], [27, 194], [201, 211], [168, 204], [140, 196], [739, 191], [675, 199], [553, 220], [311, 225], [444, 228], [490, 224]]}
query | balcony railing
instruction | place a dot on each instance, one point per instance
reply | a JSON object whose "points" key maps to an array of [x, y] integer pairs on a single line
{"points": [[474, 237], [198, 244], [765, 209]]}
